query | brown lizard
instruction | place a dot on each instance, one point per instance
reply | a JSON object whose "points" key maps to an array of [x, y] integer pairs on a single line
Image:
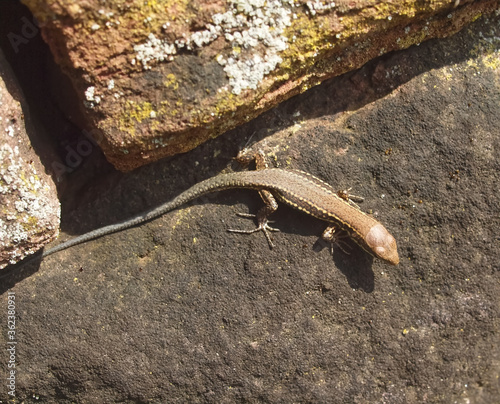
{"points": [[296, 188]]}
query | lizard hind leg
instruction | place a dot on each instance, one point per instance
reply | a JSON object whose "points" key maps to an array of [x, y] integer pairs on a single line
{"points": [[262, 221], [262, 225], [245, 157]]}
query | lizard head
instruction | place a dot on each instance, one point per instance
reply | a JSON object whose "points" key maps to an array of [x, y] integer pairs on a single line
{"points": [[382, 244]]}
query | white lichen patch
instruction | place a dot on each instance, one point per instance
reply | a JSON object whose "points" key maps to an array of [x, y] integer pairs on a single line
{"points": [[254, 29], [248, 73], [10, 130], [154, 49], [319, 7], [28, 205], [91, 98]]}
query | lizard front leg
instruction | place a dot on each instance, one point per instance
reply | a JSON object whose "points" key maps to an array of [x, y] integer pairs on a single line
{"points": [[332, 234]]}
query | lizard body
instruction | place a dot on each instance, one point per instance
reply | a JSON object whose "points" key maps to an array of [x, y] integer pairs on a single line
{"points": [[298, 189]]}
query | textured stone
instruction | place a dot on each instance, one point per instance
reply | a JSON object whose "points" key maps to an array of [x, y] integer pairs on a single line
{"points": [[29, 216], [178, 310], [159, 78]]}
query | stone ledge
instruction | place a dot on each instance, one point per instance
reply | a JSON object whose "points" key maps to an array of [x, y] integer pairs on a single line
{"points": [[157, 80], [30, 212]]}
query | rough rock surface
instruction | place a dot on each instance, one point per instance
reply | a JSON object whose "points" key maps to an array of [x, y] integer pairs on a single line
{"points": [[29, 216], [178, 310], [159, 78]]}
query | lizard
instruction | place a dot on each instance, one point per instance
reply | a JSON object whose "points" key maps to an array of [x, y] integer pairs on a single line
{"points": [[296, 188]]}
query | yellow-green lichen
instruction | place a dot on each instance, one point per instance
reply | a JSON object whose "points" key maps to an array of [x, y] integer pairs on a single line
{"points": [[133, 113], [304, 48], [413, 38], [492, 61], [486, 52], [171, 81]]}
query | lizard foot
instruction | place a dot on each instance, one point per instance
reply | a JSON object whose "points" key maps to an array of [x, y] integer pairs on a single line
{"points": [[335, 237], [263, 225], [350, 198]]}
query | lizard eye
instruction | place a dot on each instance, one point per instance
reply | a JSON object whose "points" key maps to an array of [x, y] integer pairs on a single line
{"points": [[379, 251]]}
